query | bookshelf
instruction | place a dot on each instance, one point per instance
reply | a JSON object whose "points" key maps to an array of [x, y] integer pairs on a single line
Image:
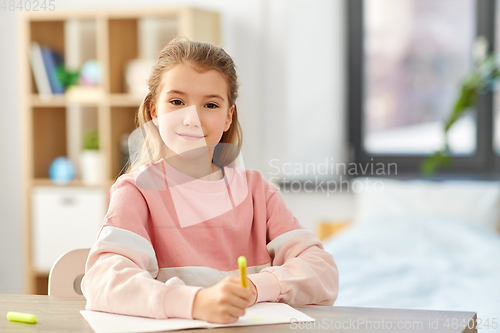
{"points": [[53, 126]]}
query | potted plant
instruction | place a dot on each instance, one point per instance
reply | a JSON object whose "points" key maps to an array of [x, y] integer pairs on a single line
{"points": [[91, 161], [481, 79]]}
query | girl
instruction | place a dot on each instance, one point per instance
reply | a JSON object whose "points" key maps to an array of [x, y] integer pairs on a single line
{"points": [[186, 209]]}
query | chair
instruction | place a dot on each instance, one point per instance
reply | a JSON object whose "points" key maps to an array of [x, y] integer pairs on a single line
{"points": [[67, 272]]}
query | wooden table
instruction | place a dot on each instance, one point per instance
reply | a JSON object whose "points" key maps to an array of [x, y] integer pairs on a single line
{"points": [[62, 315]]}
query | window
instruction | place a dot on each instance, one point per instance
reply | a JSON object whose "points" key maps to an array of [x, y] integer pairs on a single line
{"points": [[407, 59]]}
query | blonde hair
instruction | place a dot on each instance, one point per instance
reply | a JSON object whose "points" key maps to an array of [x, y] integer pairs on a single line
{"points": [[203, 56]]}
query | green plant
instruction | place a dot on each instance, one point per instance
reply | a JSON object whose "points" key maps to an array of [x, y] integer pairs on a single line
{"points": [[91, 140], [480, 80], [67, 77]]}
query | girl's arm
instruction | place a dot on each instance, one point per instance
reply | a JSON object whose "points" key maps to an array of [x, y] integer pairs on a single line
{"points": [[302, 272], [121, 268]]}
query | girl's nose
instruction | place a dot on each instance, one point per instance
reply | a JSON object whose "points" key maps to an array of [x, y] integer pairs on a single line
{"points": [[191, 117]]}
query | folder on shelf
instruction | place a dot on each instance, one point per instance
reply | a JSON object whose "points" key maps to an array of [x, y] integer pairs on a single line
{"points": [[52, 59], [41, 78]]}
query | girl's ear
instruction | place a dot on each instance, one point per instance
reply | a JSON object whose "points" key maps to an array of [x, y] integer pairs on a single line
{"points": [[153, 115], [152, 110], [229, 119]]}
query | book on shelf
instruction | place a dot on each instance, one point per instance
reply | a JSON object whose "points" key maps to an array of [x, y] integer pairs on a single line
{"points": [[52, 59], [44, 63], [39, 73]]}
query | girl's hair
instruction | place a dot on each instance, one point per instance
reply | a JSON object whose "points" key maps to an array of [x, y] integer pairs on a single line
{"points": [[203, 56]]}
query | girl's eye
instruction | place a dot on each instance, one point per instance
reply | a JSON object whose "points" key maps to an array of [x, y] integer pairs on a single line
{"points": [[176, 102], [212, 105]]}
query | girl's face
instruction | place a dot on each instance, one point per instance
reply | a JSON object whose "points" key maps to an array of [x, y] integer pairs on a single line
{"points": [[192, 110]]}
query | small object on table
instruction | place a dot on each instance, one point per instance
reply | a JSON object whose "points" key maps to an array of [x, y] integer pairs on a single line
{"points": [[22, 317]]}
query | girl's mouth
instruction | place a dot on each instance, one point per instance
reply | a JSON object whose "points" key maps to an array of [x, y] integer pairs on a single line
{"points": [[190, 137]]}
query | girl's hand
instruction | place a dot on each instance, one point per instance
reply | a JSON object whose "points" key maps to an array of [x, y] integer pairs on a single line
{"points": [[224, 302], [253, 289]]}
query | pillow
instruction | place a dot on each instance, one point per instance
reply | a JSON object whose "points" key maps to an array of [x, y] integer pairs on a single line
{"points": [[476, 202]]}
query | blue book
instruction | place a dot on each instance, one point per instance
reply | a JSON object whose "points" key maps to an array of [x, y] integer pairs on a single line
{"points": [[51, 59]]}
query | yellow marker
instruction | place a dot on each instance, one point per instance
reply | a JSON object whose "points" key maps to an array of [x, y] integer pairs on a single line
{"points": [[242, 264], [22, 317]]}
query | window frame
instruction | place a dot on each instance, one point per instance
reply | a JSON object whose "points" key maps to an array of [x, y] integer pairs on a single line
{"points": [[484, 162]]}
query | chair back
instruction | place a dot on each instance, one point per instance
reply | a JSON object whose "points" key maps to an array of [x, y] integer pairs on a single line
{"points": [[67, 273]]}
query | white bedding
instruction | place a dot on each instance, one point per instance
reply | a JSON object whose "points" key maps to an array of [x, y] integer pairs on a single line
{"points": [[419, 262]]}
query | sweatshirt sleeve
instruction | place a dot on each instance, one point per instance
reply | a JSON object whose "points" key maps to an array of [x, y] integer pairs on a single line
{"points": [[301, 271], [121, 270]]}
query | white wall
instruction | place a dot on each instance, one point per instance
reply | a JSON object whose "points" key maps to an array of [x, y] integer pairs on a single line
{"points": [[290, 61], [11, 247]]}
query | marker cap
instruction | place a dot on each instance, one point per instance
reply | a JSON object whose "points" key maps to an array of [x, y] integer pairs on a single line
{"points": [[22, 317]]}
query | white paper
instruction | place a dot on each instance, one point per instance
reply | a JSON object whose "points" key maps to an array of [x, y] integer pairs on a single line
{"points": [[258, 314]]}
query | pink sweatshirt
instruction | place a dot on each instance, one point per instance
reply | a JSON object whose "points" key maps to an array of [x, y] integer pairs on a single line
{"points": [[166, 235]]}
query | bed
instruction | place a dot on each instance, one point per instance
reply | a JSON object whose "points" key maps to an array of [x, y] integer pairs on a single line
{"points": [[421, 245]]}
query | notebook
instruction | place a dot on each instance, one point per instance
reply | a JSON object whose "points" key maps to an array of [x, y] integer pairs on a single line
{"points": [[258, 314]]}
